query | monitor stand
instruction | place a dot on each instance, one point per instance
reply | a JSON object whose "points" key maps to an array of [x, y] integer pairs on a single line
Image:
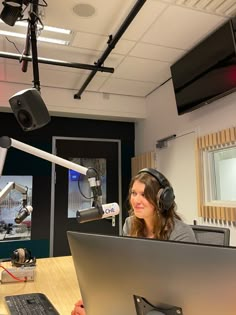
{"points": [[143, 307]]}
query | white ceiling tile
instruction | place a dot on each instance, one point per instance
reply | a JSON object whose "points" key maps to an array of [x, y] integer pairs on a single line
{"points": [[120, 86], [140, 69], [146, 16], [113, 60], [181, 27], [106, 12], [155, 52], [14, 45], [15, 74], [124, 46], [95, 84], [90, 41]]}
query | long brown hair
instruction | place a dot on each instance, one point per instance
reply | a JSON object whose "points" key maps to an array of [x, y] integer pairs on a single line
{"points": [[163, 221]]}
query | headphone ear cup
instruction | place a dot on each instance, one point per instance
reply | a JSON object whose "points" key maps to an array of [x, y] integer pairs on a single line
{"points": [[22, 257], [166, 198], [165, 195]]}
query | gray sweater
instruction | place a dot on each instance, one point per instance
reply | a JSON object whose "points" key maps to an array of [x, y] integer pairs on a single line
{"points": [[182, 232]]}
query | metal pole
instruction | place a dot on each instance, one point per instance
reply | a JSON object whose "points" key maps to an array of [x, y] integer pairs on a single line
{"points": [[57, 62], [111, 43]]}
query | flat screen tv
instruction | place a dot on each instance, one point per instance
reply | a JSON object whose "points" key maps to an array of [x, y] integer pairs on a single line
{"points": [[208, 71]]}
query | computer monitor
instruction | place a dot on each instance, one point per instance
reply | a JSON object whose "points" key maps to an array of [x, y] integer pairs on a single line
{"points": [[133, 276]]}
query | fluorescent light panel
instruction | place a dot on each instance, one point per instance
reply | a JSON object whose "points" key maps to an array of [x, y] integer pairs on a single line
{"points": [[45, 27], [40, 38]]}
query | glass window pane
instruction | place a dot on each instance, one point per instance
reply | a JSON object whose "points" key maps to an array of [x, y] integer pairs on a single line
{"points": [[79, 192], [224, 171], [12, 189]]}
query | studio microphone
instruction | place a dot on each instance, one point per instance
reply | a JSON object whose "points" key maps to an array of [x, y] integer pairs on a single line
{"points": [[26, 52], [23, 213], [97, 213]]}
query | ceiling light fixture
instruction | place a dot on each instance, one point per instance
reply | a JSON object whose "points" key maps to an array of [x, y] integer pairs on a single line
{"points": [[45, 27], [40, 38]]}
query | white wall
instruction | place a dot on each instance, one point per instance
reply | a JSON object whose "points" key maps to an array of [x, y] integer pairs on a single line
{"points": [[177, 162], [61, 102], [163, 120]]}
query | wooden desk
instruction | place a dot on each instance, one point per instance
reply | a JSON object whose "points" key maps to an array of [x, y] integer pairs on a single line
{"points": [[54, 277]]}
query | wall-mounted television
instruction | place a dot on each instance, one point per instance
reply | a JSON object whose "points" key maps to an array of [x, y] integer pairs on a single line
{"points": [[208, 71]]}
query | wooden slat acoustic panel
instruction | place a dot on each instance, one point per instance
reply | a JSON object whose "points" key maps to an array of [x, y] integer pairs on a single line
{"points": [[208, 142], [219, 213], [220, 138], [141, 161]]}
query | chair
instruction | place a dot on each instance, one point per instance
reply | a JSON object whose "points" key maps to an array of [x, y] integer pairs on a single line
{"points": [[211, 235]]}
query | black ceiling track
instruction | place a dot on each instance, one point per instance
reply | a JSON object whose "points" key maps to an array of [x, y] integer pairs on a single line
{"points": [[98, 66], [57, 62], [111, 44]]}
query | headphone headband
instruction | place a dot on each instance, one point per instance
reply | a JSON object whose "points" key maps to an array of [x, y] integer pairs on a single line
{"points": [[166, 195], [162, 180]]}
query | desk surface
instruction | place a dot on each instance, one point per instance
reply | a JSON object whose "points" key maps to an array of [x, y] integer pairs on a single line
{"points": [[55, 277]]}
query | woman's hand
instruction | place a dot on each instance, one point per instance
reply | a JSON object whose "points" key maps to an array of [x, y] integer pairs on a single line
{"points": [[78, 309]]}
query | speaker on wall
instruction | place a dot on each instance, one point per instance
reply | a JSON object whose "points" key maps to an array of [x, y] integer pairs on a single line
{"points": [[29, 109]]}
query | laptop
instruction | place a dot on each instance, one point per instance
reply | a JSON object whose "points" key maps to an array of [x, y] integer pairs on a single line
{"points": [[133, 276]]}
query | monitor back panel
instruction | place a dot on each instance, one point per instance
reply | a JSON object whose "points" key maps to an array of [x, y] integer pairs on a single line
{"points": [[199, 279]]}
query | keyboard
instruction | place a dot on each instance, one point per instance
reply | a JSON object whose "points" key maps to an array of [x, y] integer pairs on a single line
{"points": [[32, 304]]}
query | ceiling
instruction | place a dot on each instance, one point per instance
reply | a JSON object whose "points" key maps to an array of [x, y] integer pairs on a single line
{"points": [[161, 32]]}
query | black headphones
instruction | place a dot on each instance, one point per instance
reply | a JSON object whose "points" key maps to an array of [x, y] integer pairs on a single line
{"points": [[166, 195], [22, 257]]}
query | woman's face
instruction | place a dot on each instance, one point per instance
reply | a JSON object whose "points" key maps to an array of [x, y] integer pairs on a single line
{"points": [[143, 209]]}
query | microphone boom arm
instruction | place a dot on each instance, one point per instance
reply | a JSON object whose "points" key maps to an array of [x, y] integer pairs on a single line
{"points": [[11, 186], [91, 173], [6, 143]]}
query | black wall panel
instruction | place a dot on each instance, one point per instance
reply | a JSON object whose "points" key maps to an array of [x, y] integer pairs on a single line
{"points": [[21, 163]]}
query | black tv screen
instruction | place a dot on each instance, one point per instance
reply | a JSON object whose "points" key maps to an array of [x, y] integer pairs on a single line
{"points": [[207, 72]]}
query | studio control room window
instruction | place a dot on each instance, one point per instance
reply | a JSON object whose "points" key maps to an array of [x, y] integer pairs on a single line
{"points": [[15, 205]]}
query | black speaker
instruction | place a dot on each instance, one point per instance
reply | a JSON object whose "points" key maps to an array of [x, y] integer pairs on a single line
{"points": [[166, 195], [29, 109]]}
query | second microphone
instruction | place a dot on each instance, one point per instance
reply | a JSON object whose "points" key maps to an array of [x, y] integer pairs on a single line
{"points": [[91, 214]]}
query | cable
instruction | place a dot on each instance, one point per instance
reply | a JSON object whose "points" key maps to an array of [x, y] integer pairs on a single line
{"points": [[86, 197], [14, 277], [13, 44]]}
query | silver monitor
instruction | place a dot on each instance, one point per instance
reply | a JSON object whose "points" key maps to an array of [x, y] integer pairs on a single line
{"points": [[133, 276]]}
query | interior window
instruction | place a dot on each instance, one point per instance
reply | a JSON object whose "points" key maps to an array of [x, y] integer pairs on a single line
{"points": [[79, 194], [223, 174]]}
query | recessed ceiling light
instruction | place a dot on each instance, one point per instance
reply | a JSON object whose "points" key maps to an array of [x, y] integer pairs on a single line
{"points": [[84, 10]]}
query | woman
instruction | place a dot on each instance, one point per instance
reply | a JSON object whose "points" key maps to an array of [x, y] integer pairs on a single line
{"points": [[153, 209], [153, 213]]}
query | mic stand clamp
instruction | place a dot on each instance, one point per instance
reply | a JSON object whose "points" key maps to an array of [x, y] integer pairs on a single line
{"points": [[95, 184]]}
